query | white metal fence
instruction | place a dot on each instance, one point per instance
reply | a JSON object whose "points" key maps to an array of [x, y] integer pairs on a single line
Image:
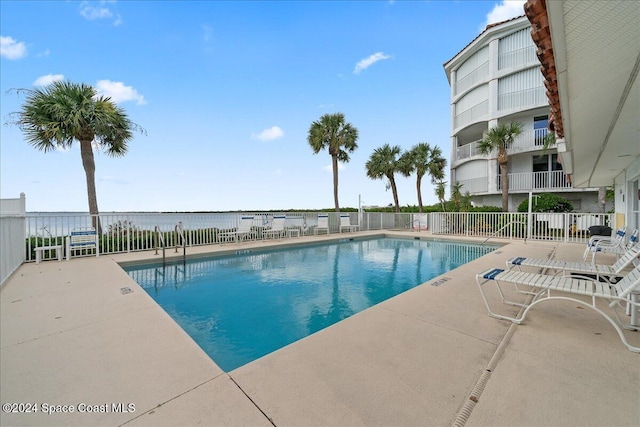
{"points": [[12, 235], [131, 232]]}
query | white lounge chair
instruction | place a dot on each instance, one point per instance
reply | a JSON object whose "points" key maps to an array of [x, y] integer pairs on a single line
{"points": [[632, 255], [616, 247], [323, 223], [345, 223], [296, 224], [615, 239], [614, 295], [244, 230], [276, 229]]}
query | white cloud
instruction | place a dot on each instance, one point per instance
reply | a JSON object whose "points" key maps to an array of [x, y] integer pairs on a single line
{"points": [[118, 92], [274, 132], [329, 168], [48, 79], [505, 10], [12, 49], [44, 54], [92, 12], [367, 62]]}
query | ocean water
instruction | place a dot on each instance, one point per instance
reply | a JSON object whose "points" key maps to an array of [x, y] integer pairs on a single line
{"points": [[60, 223]]}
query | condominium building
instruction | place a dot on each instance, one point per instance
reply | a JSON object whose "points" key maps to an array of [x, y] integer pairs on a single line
{"points": [[497, 79]]}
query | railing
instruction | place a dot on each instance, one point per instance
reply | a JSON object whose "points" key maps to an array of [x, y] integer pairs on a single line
{"points": [[527, 181], [521, 98], [530, 139], [160, 243], [183, 240], [472, 114], [468, 150], [136, 232], [12, 235], [477, 185], [517, 57], [563, 227], [481, 73]]}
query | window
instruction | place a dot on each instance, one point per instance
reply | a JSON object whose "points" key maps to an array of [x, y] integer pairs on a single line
{"points": [[540, 129], [547, 172]]}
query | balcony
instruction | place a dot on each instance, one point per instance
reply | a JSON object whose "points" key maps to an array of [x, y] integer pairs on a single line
{"points": [[480, 74], [475, 186], [528, 140], [527, 181], [522, 98], [517, 58], [468, 150], [472, 114]]}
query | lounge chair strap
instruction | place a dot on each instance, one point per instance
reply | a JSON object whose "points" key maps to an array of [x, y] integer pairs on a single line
{"points": [[491, 275]]}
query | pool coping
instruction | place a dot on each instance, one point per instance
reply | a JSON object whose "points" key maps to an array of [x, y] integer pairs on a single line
{"points": [[415, 359]]}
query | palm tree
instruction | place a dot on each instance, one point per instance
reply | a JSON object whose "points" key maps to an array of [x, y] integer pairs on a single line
{"points": [[63, 112], [440, 190], [423, 159], [500, 138], [384, 163], [338, 137]]}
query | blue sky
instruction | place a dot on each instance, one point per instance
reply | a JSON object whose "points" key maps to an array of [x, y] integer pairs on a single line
{"points": [[227, 91]]}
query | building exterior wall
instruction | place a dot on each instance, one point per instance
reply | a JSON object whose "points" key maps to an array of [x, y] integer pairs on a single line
{"points": [[496, 79]]}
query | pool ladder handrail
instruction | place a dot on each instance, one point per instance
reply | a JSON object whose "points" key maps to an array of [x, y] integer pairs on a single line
{"points": [[179, 232], [160, 240], [502, 228]]}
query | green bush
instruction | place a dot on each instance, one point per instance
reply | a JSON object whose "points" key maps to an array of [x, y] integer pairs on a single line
{"points": [[546, 202]]}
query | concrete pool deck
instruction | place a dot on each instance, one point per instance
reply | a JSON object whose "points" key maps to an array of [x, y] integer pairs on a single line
{"points": [[430, 356]]}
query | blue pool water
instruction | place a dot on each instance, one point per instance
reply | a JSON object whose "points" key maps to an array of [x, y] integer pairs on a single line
{"points": [[239, 308]]}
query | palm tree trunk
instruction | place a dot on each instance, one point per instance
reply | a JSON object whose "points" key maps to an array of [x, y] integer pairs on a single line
{"points": [[334, 164], [504, 182], [394, 190], [602, 198], [90, 171], [418, 188]]}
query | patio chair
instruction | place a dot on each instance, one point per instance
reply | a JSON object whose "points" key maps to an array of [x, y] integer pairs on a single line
{"points": [[276, 229], [244, 230], [616, 246], [625, 291], [323, 223], [608, 272], [615, 239], [345, 222]]}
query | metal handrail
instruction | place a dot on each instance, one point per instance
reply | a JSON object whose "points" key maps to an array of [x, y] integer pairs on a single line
{"points": [[160, 239], [180, 233], [502, 228]]}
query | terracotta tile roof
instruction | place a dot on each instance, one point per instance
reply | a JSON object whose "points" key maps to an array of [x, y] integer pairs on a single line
{"points": [[536, 11]]}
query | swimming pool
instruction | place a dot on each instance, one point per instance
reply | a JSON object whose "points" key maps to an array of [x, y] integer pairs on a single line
{"points": [[242, 307]]}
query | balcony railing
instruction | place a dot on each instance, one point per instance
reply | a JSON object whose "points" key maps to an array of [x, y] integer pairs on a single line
{"points": [[472, 114], [532, 139], [474, 186], [517, 57], [549, 180], [468, 150], [522, 98], [479, 74]]}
